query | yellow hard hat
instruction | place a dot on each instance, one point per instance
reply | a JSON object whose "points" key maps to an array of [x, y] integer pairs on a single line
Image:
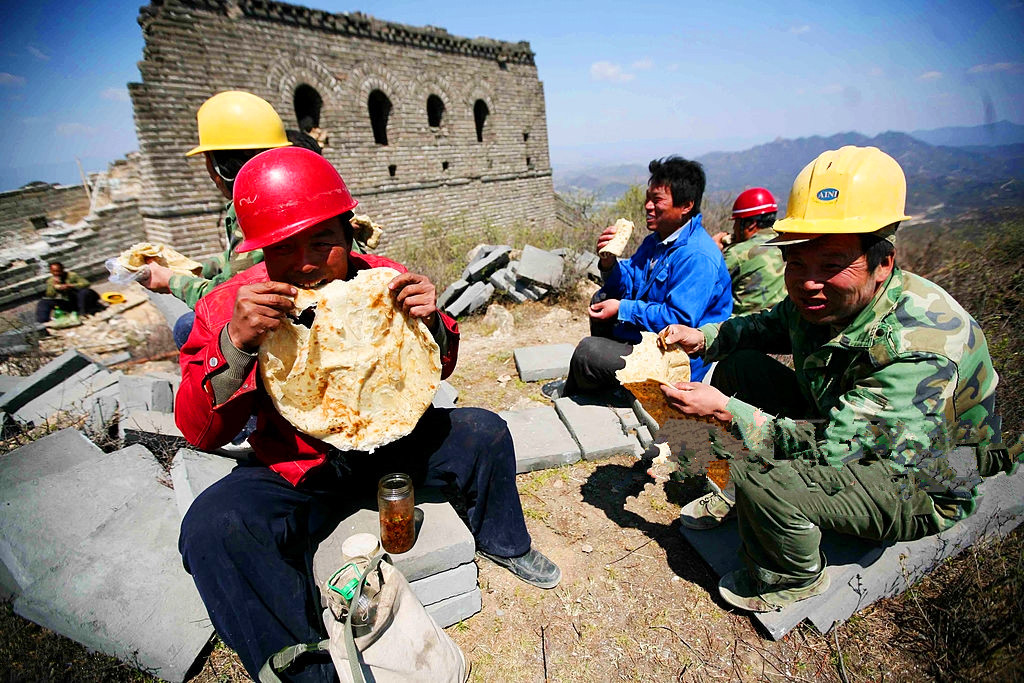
{"points": [[848, 190], [238, 120], [113, 298]]}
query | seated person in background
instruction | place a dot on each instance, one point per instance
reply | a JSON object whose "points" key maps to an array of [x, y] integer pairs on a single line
{"points": [[67, 291], [756, 270], [677, 275], [248, 540], [891, 374]]}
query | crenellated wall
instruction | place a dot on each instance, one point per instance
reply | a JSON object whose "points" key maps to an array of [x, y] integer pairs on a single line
{"points": [[442, 172]]}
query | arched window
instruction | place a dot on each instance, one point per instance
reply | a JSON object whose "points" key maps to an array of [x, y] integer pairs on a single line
{"points": [[435, 111], [380, 110], [480, 114], [308, 104]]}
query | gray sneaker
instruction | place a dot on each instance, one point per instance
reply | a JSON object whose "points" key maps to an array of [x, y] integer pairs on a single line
{"points": [[532, 567], [707, 512]]}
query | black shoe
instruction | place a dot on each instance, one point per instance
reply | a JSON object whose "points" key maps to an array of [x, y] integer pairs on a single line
{"points": [[532, 567], [553, 390]]}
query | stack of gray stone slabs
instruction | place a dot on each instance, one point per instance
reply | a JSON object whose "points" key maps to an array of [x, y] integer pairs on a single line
{"points": [[540, 438], [861, 572], [540, 267], [439, 567], [595, 427], [42, 380], [535, 363], [49, 455], [123, 590], [481, 268], [151, 429]]}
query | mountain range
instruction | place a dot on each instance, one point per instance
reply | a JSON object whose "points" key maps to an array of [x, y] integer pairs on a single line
{"points": [[972, 174]]}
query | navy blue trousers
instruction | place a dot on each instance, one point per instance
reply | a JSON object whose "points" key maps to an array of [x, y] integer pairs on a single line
{"points": [[248, 540]]}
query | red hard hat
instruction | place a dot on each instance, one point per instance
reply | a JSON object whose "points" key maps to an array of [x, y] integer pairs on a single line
{"points": [[283, 191], [753, 202]]}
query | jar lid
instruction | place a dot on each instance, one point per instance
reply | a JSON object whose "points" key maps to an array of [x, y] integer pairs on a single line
{"points": [[360, 545]]}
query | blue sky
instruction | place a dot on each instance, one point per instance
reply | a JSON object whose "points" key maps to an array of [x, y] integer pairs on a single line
{"points": [[624, 82]]}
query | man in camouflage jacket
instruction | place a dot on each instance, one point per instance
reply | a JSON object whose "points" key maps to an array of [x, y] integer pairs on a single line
{"points": [[756, 270], [891, 374]]}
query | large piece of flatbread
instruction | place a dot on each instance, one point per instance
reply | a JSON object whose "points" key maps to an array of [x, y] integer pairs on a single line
{"points": [[362, 375], [140, 254], [648, 366], [623, 231]]}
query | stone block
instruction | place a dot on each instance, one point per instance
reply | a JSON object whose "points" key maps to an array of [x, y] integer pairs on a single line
{"points": [[104, 412], [445, 396], [643, 435], [442, 540], [480, 269], [117, 358], [8, 383], [627, 416], [540, 267], [192, 472], [531, 291], [51, 454], [587, 264], [549, 361], [462, 304], [516, 296], [482, 298], [123, 590], [446, 584], [155, 431], [42, 380], [540, 439], [456, 609], [596, 428], [503, 280], [451, 293], [147, 392], [49, 514], [75, 395]]}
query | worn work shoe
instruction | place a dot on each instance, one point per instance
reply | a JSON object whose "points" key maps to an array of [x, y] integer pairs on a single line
{"points": [[741, 589], [532, 567], [706, 512], [554, 389]]}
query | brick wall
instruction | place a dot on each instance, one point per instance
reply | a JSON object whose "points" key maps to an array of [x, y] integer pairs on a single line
{"points": [[52, 202], [195, 48]]}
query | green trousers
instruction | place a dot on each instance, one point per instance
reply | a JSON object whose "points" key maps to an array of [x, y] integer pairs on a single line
{"points": [[783, 505]]}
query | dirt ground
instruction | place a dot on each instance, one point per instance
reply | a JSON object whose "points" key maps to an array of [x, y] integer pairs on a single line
{"points": [[635, 602]]}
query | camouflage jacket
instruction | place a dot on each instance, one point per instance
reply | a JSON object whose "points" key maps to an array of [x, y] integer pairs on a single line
{"points": [[70, 278], [757, 274], [907, 380], [191, 288]]}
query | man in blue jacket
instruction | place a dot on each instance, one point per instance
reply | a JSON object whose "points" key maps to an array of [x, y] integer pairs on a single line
{"points": [[677, 274]]}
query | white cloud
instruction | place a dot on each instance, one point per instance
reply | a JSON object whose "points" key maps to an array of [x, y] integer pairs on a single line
{"points": [[73, 129], [11, 79], [115, 94], [832, 89], [1008, 67], [38, 54], [606, 71], [930, 76], [643, 64], [798, 30]]}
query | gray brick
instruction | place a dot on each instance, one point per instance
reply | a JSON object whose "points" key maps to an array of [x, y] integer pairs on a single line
{"points": [[540, 267], [8, 383], [446, 584], [541, 440], [482, 268], [75, 395], [481, 298], [462, 304], [48, 515], [192, 472], [596, 428], [147, 392], [156, 431], [456, 609], [49, 455], [445, 396], [443, 541], [42, 380], [123, 591], [451, 293], [534, 363]]}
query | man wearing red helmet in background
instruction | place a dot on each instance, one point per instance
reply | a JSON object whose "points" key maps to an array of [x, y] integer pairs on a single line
{"points": [[757, 272], [248, 540]]}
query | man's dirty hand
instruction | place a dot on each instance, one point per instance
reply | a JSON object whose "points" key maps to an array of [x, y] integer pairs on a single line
{"points": [[259, 308], [689, 339], [415, 294], [697, 400], [159, 278], [605, 310]]}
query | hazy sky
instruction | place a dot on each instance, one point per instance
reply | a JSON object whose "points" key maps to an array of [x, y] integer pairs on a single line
{"points": [[623, 81]]}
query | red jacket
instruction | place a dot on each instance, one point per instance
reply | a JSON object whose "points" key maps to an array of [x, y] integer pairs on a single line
{"points": [[276, 443]]}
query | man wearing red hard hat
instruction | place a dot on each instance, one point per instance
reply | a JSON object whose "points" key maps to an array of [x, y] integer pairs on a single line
{"points": [[757, 272], [248, 540]]}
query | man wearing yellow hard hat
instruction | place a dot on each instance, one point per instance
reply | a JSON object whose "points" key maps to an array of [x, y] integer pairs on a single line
{"points": [[891, 374]]}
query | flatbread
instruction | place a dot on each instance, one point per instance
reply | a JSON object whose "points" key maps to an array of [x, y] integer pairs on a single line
{"points": [[648, 366], [623, 231], [138, 255], [366, 231], [362, 375]]}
